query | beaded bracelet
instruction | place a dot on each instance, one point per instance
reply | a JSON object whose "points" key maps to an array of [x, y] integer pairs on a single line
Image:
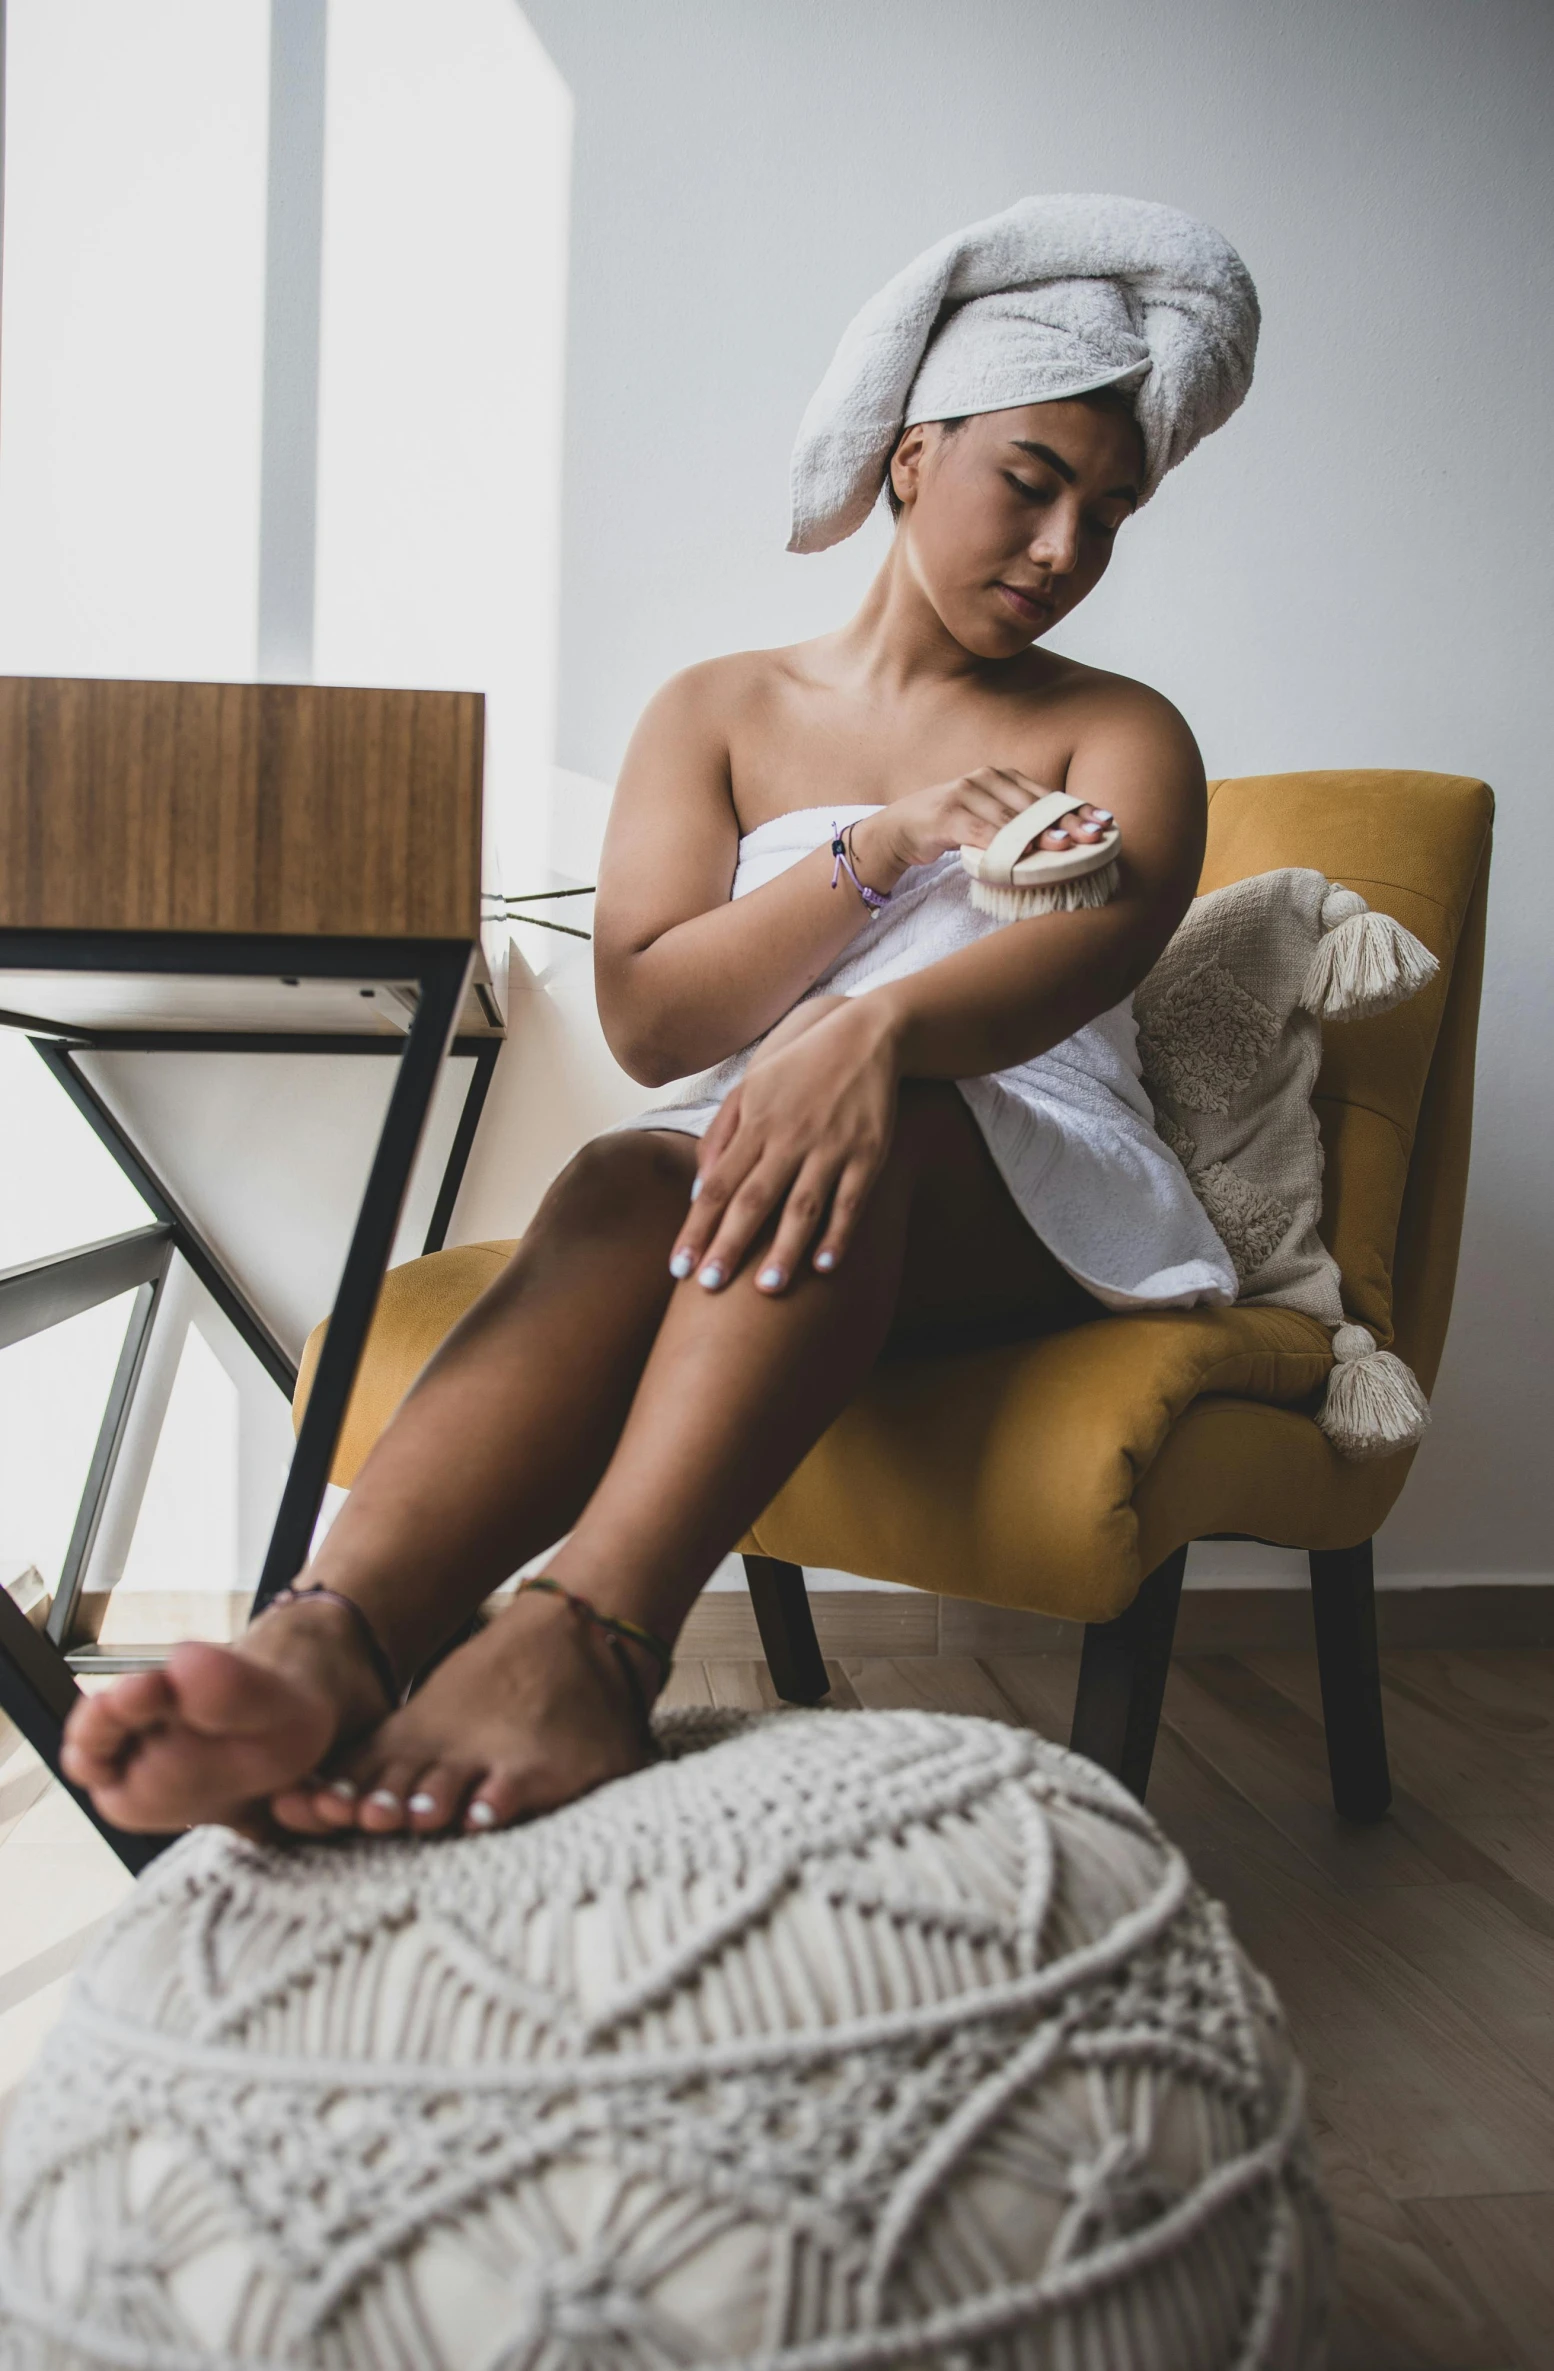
{"points": [[875, 899], [618, 1634]]}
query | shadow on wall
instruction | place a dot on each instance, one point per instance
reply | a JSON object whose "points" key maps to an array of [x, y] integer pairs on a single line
{"points": [[556, 1084], [1475, 1506]]}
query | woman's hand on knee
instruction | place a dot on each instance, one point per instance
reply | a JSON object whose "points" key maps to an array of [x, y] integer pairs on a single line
{"points": [[795, 1148]]}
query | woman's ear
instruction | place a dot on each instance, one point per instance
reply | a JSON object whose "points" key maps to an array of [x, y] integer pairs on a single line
{"points": [[906, 463]]}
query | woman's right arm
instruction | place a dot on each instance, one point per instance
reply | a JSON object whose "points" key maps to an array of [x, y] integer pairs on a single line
{"points": [[684, 976]]}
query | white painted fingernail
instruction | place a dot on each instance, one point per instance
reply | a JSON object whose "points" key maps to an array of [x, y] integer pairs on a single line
{"points": [[343, 1790], [682, 1263], [481, 1815], [1058, 835], [769, 1279], [384, 1800], [422, 1803], [1102, 814], [825, 1259], [695, 1188], [711, 1276]]}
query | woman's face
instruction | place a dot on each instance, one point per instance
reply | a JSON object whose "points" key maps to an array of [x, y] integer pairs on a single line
{"points": [[1008, 520]]}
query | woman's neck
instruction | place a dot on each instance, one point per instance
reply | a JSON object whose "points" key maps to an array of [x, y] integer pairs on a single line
{"points": [[897, 642]]}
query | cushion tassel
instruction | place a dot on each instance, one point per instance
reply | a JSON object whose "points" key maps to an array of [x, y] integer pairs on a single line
{"points": [[1052, 897], [1365, 964], [1374, 1407]]}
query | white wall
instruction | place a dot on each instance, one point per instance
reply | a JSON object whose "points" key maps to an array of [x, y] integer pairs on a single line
{"points": [[444, 282], [131, 493], [1355, 572]]}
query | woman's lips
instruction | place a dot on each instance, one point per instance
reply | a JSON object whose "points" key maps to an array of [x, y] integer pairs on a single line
{"points": [[1029, 608]]}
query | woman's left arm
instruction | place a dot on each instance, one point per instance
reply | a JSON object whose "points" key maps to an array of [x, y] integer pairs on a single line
{"points": [[1025, 988], [804, 1134]]}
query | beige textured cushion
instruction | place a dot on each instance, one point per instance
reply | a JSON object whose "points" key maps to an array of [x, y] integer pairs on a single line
{"points": [[1230, 1039], [852, 2042]]}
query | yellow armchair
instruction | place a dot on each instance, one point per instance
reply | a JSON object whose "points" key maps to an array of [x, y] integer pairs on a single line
{"points": [[1071, 1474]]}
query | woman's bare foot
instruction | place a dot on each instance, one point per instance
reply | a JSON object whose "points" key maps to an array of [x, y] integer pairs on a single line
{"points": [[217, 1730], [531, 1712]]}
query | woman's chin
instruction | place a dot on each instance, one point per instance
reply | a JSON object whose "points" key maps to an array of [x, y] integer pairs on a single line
{"points": [[997, 638]]}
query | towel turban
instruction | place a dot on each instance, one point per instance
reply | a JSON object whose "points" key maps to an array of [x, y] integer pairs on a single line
{"points": [[1056, 297]]}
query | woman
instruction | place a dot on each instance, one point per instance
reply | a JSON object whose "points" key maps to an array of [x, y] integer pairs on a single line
{"points": [[939, 1133]]}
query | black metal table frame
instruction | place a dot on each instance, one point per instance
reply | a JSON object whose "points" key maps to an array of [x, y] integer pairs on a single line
{"points": [[37, 1685]]}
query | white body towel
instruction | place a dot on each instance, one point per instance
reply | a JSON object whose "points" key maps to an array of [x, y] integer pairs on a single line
{"points": [[1072, 1131]]}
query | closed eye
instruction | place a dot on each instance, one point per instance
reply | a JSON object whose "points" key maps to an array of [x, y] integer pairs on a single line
{"points": [[1030, 493]]}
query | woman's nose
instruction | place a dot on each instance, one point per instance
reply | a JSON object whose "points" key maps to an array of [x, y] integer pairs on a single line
{"points": [[1055, 545]]}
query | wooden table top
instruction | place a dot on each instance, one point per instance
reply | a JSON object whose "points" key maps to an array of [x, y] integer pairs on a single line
{"points": [[296, 810]]}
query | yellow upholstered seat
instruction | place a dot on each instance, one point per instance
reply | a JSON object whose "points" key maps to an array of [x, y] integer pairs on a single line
{"points": [[1056, 1474]]}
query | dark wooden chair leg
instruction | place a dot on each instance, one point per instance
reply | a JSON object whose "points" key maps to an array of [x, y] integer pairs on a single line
{"points": [[1122, 1677], [787, 1628], [1343, 1600]]}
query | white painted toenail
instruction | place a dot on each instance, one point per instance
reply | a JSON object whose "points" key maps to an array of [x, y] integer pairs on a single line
{"points": [[383, 1799], [344, 1789], [422, 1803], [482, 1815]]}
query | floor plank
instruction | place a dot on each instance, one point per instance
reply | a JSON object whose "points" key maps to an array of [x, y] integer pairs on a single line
{"points": [[743, 1687], [1506, 2245], [843, 1696], [1275, 1753], [1448, 1837], [1522, 1848], [1466, 1729], [1478, 1953], [1402, 2307], [686, 1685], [1041, 1687], [941, 1683]]}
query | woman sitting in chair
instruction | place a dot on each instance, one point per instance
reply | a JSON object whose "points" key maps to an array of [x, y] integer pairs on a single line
{"points": [[845, 859]]}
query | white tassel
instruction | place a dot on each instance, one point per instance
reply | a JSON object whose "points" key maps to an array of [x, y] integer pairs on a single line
{"points": [[1365, 964], [1374, 1407], [1052, 897]]}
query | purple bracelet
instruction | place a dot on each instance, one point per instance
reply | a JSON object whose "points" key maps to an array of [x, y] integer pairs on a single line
{"points": [[875, 899]]}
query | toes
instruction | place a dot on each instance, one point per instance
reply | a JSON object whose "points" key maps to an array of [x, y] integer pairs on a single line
{"points": [[335, 1803], [297, 1810], [381, 1809], [501, 1797], [438, 1796], [101, 1726]]}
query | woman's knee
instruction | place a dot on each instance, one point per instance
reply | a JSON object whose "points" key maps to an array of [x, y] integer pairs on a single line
{"points": [[638, 1178]]}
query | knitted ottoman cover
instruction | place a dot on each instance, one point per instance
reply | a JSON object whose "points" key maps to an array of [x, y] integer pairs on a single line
{"points": [[833, 2040]]}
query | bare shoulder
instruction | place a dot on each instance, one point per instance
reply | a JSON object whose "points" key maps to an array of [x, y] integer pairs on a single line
{"points": [[724, 692], [1117, 712]]}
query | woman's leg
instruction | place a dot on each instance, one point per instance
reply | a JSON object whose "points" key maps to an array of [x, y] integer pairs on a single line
{"points": [[737, 1388], [499, 1449], [492, 1456]]}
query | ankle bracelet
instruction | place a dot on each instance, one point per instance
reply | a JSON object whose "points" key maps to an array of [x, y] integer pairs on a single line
{"points": [[619, 1634], [371, 1645]]}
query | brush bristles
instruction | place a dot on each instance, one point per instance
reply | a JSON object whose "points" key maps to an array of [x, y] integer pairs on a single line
{"points": [[1053, 897]]}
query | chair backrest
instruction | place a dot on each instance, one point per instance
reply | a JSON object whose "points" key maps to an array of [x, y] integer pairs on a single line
{"points": [[1395, 1096]]}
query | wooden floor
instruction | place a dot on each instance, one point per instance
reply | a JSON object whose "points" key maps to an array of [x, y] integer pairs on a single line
{"points": [[1415, 1959]]}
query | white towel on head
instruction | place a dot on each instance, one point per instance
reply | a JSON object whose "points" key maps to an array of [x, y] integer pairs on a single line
{"points": [[1056, 297]]}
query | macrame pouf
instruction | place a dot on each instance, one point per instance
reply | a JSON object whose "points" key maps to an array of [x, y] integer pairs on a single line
{"points": [[835, 2040]]}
